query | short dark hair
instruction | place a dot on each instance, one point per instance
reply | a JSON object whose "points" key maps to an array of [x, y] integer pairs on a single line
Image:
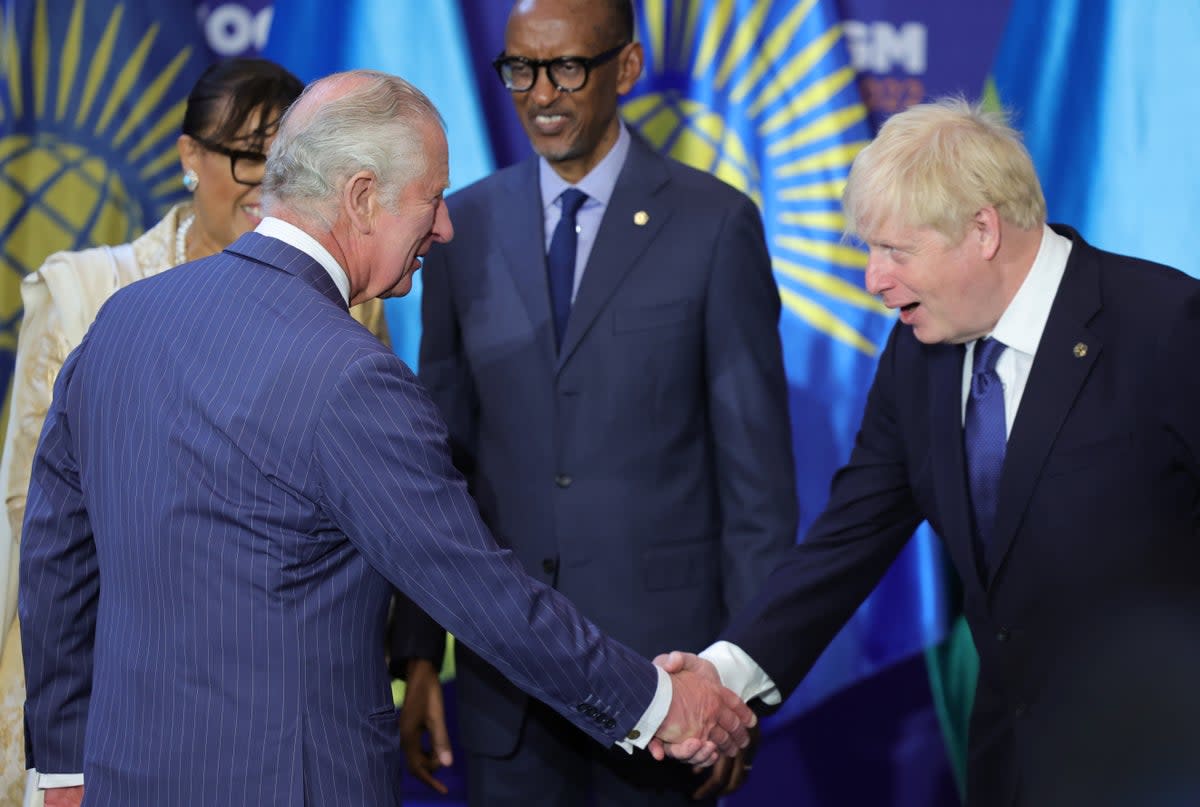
{"points": [[621, 12], [230, 91]]}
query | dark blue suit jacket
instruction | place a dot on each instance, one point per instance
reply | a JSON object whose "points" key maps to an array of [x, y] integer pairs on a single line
{"points": [[231, 478], [645, 469], [1099, 504]]}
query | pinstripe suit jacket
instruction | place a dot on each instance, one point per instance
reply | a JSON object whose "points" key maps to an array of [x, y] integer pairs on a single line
{"points": [[232, 474]]}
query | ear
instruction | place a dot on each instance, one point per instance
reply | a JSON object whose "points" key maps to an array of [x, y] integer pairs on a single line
{"points": [[189, 152], [360, 200], [986, 227], [632, 60]]}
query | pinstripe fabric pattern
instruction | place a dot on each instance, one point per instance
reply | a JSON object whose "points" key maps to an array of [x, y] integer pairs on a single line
{"points": [[232, 474]]}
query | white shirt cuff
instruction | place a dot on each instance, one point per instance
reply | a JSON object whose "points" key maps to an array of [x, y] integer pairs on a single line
{"points": [[740, 673], [653, 717], [45, 781]]}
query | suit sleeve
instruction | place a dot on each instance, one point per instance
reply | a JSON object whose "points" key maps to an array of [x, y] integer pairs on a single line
{"points": [[748, 411], [443, 361], [387, 481], [870, 516], [59, 587]]}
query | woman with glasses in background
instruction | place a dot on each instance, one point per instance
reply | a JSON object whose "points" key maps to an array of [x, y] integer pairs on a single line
{"points": [[230, 120]]}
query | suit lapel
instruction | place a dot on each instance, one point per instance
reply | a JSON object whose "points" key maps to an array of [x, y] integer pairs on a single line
{"points": [[519, 226], [279, 255], [619, 242], [1055, 380], [949, 461]]}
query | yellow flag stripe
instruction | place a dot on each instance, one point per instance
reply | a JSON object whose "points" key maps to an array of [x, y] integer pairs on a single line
{"points": [[99, 66], [168, 123], [839, 254], [829, 124], [743, 40], [153, 94], [819, 93], [656, 27], [813, 191], [689, 37], [777, 44], [714, 27], [12, 63], [127, 78], [41, 59], [69, 63], [831, 286], [794, 72], [835, 157], [817, 220], [825, 321]]}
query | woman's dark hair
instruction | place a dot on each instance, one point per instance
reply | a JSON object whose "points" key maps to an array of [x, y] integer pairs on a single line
{"points": [[229, 92]]}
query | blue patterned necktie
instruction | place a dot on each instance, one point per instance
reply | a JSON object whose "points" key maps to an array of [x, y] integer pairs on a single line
{"points": [[560, 260], [984, 442]]}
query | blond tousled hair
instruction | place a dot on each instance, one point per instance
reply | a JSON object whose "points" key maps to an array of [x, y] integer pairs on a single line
{"points": [[935, 165]]}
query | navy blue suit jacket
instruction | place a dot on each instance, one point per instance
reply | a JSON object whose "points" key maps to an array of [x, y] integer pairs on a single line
{"points": [[645, 468], [231, 478], [1099, 503]]}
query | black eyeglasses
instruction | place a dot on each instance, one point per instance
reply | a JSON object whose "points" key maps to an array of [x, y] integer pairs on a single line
{"points": [[245, 166], [566, 73]]}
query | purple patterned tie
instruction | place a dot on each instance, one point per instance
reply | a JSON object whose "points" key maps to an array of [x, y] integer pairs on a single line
{"points": [[560, 260], [983, 441]]}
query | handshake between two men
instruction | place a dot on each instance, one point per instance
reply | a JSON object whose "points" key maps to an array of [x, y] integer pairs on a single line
{"points": [[705, 720]]}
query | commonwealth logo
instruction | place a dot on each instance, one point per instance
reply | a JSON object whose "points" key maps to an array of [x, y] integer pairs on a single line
{"points": [[759, 93], [91, 101]]}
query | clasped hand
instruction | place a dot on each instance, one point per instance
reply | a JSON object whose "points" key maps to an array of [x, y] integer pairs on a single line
{"points": [[705, 720]]}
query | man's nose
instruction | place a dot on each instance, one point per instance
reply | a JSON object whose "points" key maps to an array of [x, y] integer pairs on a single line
{"points": [[543, 91], [443, 228], [876, 276]]}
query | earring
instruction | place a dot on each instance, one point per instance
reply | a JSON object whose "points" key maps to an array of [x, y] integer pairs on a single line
{"points": [[190, 180]]}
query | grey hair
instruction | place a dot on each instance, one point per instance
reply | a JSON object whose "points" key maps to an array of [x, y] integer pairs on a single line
{"points": [[360, 120]]}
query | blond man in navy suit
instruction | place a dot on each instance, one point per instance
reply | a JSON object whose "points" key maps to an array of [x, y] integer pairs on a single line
{"points": [[1037, 404]]}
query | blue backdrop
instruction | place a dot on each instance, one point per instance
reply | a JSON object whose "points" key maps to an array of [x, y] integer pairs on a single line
{"points": [[1095, 84]]}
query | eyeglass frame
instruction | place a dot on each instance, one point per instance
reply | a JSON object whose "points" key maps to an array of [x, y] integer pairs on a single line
{"points": [[234, 155], [586, 62]]}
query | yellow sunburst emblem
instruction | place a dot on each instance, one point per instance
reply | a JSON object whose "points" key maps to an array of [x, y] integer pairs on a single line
{"points": [[765, 103], [90, 105]]}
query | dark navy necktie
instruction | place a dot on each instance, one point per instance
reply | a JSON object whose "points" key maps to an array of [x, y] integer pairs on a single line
{"points": [[984, 442], [560, 260]]}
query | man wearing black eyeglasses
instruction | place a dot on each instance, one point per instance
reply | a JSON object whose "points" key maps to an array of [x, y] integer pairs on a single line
{"points": [[602, 341]]}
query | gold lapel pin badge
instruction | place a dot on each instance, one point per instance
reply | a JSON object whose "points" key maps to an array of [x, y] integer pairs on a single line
{"points": [[1080, 350], [640, 218]]}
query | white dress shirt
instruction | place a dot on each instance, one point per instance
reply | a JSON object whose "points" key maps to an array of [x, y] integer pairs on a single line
{"points": [[294, 236]]}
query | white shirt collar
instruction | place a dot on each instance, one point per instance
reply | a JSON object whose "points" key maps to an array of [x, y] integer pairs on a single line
{"points": [[293, 236], [1022, 323]]}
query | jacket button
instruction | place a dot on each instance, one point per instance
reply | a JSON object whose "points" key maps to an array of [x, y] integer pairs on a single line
{"points": [[1002, 635], [549, 565], [563, 481], [1021, 710]]}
